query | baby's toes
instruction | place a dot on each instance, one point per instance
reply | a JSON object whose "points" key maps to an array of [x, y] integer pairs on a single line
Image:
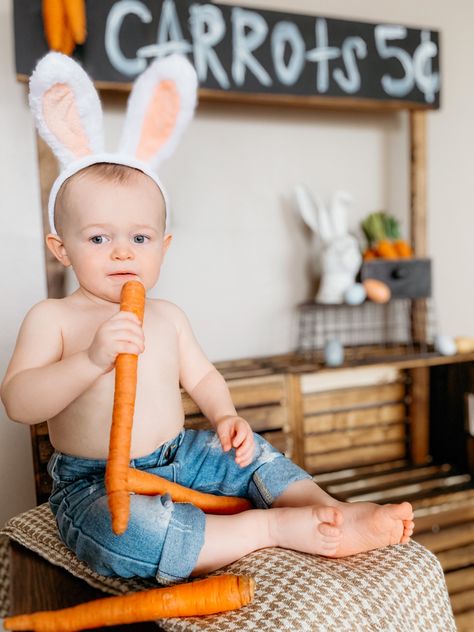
{"points": [[330, 515], [329, 531]]}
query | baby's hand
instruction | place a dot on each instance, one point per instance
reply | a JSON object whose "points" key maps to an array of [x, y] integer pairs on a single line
{"points": [[235, 432], [122, 333]]}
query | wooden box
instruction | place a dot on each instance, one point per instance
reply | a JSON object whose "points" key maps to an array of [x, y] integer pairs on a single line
{"points": [[406, 278]]}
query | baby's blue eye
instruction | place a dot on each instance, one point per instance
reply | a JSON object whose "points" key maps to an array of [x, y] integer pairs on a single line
{"points": [[97, 239], [140, 239]]}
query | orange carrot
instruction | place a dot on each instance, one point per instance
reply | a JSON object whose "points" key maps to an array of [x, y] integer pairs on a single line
{"points": [[220, 593], [67, 44], [145, 483], [76, 18], [386, 250], [132, 300], [369, 254], [53, 22], [403, 248]]}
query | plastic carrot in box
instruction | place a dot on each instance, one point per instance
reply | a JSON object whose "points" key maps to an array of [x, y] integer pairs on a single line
{"points": [[116, 474], [220, 593]]}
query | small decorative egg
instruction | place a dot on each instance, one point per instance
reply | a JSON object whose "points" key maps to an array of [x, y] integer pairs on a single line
{"points": [[377, 291], [446, 345], [355, 295], [333, 352]]}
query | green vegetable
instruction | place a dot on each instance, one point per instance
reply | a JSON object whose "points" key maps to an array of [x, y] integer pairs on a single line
{"points": [[380, 225]]}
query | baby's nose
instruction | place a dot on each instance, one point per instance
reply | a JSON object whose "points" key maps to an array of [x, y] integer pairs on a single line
{"points": [[122, 251]]}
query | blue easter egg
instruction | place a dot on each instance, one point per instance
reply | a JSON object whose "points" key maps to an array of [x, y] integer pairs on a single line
{"points": [[355, 295], [333, 352], [445, 345]]}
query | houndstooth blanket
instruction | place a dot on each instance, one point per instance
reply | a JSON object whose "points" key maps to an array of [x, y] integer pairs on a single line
{"points": [[396, 588]]}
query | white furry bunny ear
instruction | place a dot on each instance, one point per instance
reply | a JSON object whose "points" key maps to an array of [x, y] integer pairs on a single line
{"points": [[66, 108], [160, 106]]}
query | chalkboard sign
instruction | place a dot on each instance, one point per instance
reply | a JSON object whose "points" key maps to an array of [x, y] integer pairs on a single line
{"points": [[246, 51]]}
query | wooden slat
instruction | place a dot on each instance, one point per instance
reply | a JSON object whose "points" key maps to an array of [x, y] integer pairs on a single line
{"points": [[419, 414], [456, 536], [388, 479], [246, 393], [462, 601], [456, 558], [258, 391], [324, 442], [355, 377], [354, 456], [344, 399], [295, 418], [465, 621], [260, 418], [355, 418], [411, 490], [460, 580], [435, 502], [355, 473], [444, 516], [279, 440]]}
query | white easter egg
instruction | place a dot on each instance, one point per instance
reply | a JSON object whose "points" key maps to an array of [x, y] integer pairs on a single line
{"points": [[355, 295], [333, 352], [445, 345]]}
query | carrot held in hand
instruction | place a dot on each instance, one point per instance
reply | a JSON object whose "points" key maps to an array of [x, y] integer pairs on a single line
{"points": [[132, 300], [150, 484], [220, 593]]}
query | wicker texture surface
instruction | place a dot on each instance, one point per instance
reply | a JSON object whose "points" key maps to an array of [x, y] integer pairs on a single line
{"points": [[396, 588]]}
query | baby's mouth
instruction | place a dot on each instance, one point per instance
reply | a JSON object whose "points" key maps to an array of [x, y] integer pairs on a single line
{"points": [[122, 274]]}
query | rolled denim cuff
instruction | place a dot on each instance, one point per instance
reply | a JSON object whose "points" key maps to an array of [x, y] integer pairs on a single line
{"points": [[272, 478], [183, 543]]}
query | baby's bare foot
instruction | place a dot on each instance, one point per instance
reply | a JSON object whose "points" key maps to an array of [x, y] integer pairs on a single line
{"points": [[315, 530], [368, 526]]}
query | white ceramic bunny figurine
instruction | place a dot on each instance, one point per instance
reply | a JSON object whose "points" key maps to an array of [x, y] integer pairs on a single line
{"points": [[339, 253]]}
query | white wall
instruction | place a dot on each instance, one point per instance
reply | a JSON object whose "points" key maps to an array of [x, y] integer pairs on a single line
{"points": [[240, 257]]}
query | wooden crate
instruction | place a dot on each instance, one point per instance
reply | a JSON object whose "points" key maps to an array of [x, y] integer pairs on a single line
{"points": [[354, 417]]}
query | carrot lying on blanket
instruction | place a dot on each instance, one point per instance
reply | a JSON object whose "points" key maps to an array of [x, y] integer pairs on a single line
{"points": [[206, 596], [132, 299], [150, 484]]}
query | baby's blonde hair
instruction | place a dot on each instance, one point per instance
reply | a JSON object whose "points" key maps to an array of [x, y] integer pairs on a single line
{"points": [[110, 172]]}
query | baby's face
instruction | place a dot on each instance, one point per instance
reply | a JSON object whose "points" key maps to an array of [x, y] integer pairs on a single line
{"points": [[113, 233]]}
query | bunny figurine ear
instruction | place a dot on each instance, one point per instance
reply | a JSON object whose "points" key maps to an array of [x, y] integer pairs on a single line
{"points": [[66, 108], [160, 106], [340, 206]]}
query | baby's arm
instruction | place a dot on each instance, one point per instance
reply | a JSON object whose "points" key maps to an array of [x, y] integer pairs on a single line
{"points": [[39, 384], [208, 389]]}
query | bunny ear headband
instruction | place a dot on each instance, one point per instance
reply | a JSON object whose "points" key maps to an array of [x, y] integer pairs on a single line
{"points": [[68, 115]]}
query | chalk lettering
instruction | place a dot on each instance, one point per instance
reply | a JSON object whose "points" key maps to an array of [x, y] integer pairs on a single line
{"points": [[287, 33], [207, 30], [117, 14], [244, 44]]}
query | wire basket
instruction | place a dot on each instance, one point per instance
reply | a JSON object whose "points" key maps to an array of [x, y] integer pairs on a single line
{"points": [[368, 332]]}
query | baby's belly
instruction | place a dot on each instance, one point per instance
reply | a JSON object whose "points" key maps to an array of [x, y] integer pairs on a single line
{"points": [[83, 428]]}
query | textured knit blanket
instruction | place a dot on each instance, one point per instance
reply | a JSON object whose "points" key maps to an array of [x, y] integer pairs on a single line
{"points": [[392, 589]]}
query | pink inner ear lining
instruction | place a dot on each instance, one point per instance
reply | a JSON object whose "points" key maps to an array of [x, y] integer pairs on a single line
{"points": [[62, 118], [160, 119]]}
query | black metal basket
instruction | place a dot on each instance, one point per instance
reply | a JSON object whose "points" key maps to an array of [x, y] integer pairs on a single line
{"points": [[368, 332]]}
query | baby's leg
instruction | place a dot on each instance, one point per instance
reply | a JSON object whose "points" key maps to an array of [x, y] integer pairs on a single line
{"points": [[365, 526], [313, 530]]}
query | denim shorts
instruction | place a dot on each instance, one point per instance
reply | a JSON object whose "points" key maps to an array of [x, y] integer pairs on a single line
{"points": [[163, 539]]}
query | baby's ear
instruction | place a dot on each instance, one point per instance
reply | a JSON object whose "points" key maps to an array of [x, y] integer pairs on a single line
{"points": [[56, 246], [66, 108], [160, 107]]}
